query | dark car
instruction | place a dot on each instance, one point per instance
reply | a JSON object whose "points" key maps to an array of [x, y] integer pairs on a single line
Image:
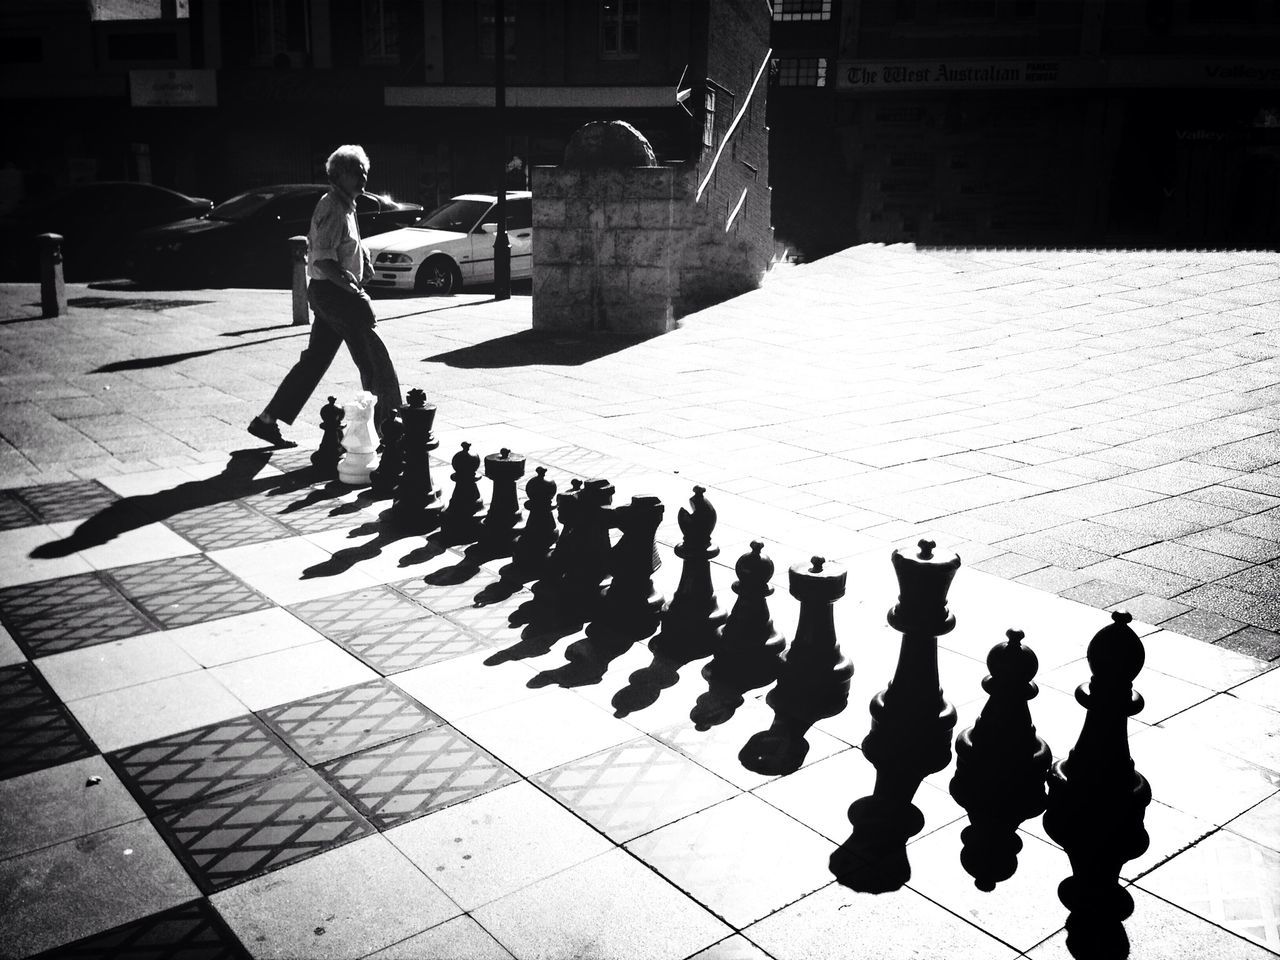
{"points": [[95, 220], [244, 241]]}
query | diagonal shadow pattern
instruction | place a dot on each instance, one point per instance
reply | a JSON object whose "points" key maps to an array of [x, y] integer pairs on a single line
{"points": [[165, 359], [533, 347]]}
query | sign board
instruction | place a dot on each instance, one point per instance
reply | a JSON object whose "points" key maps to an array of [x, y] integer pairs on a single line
{"points": [[173, 88]]}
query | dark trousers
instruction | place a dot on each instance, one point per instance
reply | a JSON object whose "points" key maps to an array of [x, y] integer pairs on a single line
{"points": [[340, 317]]}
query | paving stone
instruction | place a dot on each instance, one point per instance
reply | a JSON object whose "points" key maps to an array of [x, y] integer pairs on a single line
{"points": [[1254, 642]]}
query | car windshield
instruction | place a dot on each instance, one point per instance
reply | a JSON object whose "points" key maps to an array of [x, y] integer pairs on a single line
{"points": [[457, 215], [241, 207]]}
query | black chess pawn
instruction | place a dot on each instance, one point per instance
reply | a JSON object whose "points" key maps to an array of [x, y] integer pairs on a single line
{"points": [[568, 510], [1097, 800], [326, 456], [386, 474], [632, 603], [815, 676], [500, 528], [911, 726], [1001, 766], [750, 653], [533, 546], [693, 620], [461, 520], [417, 503]]}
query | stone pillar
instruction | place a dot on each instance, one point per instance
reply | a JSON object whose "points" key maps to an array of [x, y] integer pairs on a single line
{"points": [[298, 254], [53, 289]]}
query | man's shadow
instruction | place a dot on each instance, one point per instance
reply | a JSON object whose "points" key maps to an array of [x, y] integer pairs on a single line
{"points": [[239, 478]]}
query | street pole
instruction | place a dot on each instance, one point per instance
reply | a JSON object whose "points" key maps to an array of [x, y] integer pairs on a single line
{"points": [[501, 245]]}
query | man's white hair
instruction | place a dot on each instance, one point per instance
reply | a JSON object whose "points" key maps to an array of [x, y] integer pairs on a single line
{"points": [[346, 158]]}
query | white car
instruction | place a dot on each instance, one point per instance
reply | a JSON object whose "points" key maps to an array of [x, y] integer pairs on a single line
{"points": [[453, 245]]}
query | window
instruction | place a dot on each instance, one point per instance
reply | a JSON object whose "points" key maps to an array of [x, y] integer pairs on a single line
{"points": [[709, 118], [619, 28], [519, 214], [488, 29], [802, 9], [381, 31], [281, 32], [800, 72], [139, 9]]}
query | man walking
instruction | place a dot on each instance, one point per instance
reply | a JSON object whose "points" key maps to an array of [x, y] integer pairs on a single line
{"points": [[338, 266]]}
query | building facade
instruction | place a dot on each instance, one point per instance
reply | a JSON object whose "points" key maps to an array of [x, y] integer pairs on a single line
{"points": [[1077, 122]]}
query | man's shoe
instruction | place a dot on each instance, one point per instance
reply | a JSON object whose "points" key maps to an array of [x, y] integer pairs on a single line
{"points": [[270, 433]]}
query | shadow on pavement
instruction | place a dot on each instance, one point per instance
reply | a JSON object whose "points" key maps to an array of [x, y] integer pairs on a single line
{"points": [[165, 359], [530, 347]]}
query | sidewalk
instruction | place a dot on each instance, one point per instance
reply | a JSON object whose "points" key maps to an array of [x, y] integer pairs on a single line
{"points": [[315, 738]]}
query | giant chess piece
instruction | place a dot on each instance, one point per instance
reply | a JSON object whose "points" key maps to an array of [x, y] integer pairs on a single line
{"points": [[911, 726], [632, 603], [1098, 801], [461, 520], [417, 503], [362, 449], [693, 620], [325, 458], [500, 528], [1001, 766], [815, 676], [386, 474], [751, 650], [585, 558], [568, 509], [533, 546]]}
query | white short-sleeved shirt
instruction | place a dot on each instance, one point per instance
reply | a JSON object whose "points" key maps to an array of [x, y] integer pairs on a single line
{"points": [[335, 235]]}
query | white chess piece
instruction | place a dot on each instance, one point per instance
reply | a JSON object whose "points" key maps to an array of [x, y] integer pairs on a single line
{"points": [[359, 440]]}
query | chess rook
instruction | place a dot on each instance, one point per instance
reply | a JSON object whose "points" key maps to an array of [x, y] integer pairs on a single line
{"points": [[386, 474], [359, 441], [579, 563], [693, 619], [498, 532], [1001, 766], [461, 520], [750, 653], [417, 503], [632, 603], [325, 458], [1097, 801], [533, 546], [815, 676]]}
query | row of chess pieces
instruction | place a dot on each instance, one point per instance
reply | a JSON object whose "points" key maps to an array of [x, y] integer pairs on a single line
{"points": [[1093, 801]]}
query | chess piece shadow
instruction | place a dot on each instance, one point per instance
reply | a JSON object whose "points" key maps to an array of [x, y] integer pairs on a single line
{"points": [[1097, 800], [716, 705], [874, 858], [237, 479], [332, 490], [450, 576], [423, 554], [1001, 766], [782, 748], [645, 685], [587, 660], [343, 560]]}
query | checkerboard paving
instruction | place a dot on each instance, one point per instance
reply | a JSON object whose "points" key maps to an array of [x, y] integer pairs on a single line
{"points": [[480, 797]]}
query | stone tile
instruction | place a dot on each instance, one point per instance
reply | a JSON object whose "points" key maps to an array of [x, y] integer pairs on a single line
{"points": [[824, 924], [1163, 695], [61, 803], [466, 685], [1258, 611], [1100, 593], [242, 637], [736, 947], [1161, 931], [36, 729], [1235, 726], [154, 541], [190, 928], [184, 590], [1264, 690], [1201, 565], [1261, 581], [542, 732], [1228, 880], [1010, 565], [1197, 779], [497, 843], [290, 674], [608, 906], [147, 711], [112, 666], [346, 902], [1253, 642], [458, 939], [1142, 578], [706, 856], [52, 616], [276, 569], [1200, 663], [1053, 579], [1203, 625], [21, 568], [1022, 911], [10, 652], [79, 887], [1231, 544]]}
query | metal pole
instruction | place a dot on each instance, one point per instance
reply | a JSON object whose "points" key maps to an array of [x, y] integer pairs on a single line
{"points": [[501, 245]]}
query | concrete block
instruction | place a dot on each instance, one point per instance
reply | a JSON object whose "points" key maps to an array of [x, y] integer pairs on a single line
{"points": [[651, 283], [655, 214], [547, 212], [621, 214], [650, 183]]}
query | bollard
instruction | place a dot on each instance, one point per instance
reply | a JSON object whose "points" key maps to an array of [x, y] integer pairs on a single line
{"points": [[53, 289], [298, 254]]}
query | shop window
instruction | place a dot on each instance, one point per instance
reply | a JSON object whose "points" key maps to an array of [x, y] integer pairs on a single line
{"points": [[281, 32], [789, 10], [488, 29], [620, 28], [799, 72], [381, 31], [709, 118]]}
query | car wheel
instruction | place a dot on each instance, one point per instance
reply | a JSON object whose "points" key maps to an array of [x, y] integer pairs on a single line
{"points": [[438, 276]]}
